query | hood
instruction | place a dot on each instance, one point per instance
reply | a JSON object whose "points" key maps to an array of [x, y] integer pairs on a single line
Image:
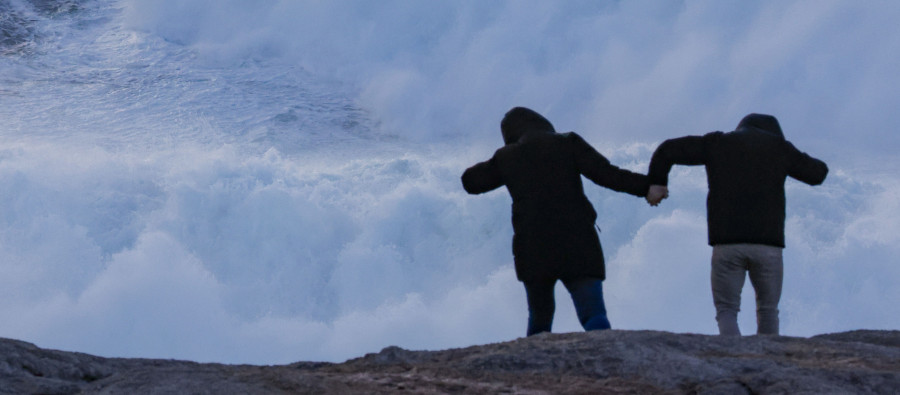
{"points": [[766, 123], [521, 121]]}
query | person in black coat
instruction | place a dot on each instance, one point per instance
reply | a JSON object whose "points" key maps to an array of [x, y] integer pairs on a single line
{"points": [[746, 170], [553, 221]]}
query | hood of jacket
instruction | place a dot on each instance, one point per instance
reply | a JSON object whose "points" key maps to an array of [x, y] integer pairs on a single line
{"points": [[520, 121], [766, 123]]}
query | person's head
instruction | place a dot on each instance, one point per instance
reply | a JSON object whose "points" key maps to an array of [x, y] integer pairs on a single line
{"points": [[519, 121], [763, 122]]}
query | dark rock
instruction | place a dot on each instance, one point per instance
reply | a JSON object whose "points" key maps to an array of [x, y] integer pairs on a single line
{"points": [[865, 362]]}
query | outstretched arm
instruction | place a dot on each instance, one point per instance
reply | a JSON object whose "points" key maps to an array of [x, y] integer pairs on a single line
{"points": [[806, 168], [482, 177], [688, 150], [597, 168]]}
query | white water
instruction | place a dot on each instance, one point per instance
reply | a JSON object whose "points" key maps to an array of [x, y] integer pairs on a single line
{"points": [[276, 181]]}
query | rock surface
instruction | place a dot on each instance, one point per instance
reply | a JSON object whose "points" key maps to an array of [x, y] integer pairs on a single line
{"points": [[614, 362]]}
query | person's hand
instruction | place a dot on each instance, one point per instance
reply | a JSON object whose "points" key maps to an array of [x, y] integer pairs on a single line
{"points": [[656, 194]]}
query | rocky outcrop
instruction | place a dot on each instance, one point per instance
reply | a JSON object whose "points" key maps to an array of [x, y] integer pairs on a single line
{"points": [[594, 362]]}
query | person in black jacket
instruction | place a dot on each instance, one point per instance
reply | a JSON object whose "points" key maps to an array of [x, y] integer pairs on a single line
{"points": [[746, 170], [553, 221]]}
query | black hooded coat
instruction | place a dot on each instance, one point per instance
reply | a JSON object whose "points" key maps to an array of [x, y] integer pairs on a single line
{"points": [[746, 170], [553, 221]]}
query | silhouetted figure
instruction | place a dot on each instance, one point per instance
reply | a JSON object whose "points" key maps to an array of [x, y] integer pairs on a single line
{"points": [[745, 170], [552, 219]]}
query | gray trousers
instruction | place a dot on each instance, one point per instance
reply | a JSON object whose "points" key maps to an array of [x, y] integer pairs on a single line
{"points": [[730, 265]]}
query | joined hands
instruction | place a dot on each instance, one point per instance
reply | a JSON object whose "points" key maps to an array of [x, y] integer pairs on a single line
{"points": [[656, 194]]}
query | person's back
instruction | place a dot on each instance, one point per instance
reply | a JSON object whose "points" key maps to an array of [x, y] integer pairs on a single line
{"points": [[542, 176], [746, 170]]}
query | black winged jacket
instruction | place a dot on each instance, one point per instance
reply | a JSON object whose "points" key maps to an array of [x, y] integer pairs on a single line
{"points": [[746, 170], [553, 221]]}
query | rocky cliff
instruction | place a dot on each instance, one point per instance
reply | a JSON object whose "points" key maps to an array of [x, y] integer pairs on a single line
{"points": [[614, 362]]}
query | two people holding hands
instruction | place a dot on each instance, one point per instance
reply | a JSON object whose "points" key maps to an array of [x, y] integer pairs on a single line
{"points": [[554, 223]]}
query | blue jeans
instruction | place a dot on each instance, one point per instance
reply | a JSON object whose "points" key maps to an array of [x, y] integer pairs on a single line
{"points": [[587, 295]]}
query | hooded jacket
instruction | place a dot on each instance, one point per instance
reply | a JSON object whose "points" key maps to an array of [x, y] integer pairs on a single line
{"points": [[745, 170], [553, 221]]}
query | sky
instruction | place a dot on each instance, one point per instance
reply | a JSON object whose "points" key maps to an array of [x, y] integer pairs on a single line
{"points": [[274, 181]]}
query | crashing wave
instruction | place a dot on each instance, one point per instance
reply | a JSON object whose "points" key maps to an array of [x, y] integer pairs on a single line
{"points": [[18, 20]]}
